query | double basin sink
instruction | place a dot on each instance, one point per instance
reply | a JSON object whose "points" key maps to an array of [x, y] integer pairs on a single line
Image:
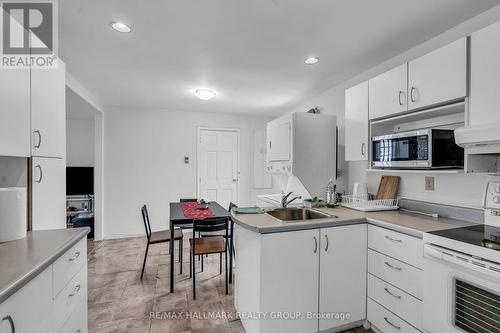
{"points": [[298, 214]]}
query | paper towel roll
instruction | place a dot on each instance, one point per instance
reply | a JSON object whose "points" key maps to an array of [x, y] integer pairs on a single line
{"points": [[12, 213]]}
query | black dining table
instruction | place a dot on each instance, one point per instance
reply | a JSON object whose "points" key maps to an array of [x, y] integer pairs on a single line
{"points": [[177, 218]]}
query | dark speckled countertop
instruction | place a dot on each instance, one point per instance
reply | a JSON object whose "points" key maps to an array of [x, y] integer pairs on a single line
{"points": [[22, 260]]}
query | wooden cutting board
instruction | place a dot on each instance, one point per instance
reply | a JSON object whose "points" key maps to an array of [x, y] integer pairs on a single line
{"points": [[388, 187]]}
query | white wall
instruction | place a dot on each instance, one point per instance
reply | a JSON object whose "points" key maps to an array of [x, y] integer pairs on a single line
{"points": [[466, 190], [144, 163], [79, 142]]}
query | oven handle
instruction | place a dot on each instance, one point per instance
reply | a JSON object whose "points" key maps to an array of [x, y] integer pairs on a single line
{"points": [[463, 260]]}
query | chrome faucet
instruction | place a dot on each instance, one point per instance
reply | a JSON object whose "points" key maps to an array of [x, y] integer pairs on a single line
{"points": [[285, 202]]}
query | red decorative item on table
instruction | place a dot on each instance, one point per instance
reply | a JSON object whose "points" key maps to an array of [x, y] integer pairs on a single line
{"points": [[193, 210]]}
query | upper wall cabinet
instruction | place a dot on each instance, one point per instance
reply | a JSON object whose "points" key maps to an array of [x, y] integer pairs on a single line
{"points": [[485, 74], [439, 76], [356, 123], [48, 108], [15, 112], [388, 93], [279, 140]]}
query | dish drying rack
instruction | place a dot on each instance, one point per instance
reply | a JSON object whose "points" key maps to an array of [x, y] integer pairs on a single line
{"points": [[366, 203]]}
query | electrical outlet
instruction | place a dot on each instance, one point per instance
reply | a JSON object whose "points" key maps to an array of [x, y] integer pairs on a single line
{"points": [[429, 183]]}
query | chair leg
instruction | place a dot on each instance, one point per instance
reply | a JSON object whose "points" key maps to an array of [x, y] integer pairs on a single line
{"points": [[220, 264], [194, 280], [180, 255], [190, 264], [227, 289], [144, 262], [202, 263]]}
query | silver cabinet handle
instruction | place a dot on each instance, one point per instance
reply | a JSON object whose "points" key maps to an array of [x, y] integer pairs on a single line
{"points": [[77, 254], [39, 167], [363, 146], [327, 243], [394, 239], [315, 244], [11, 323], [388, 322], [411, 94], [270, 144], [390, 293], [75, 291], [393, 267], [37, 132], [399, 97]]}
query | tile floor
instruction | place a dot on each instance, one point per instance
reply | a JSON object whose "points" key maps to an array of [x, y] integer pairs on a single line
{"points": [[120, 302]]}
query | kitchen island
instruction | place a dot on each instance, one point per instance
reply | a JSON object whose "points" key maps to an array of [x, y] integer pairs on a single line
{"points": [[310, 276]]}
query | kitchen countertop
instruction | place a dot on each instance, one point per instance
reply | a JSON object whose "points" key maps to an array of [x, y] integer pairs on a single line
{"points": [[408, 223], [22, 260]]}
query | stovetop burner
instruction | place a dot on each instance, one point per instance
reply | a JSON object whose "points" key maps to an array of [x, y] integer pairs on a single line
{"points": [[481, 235]]}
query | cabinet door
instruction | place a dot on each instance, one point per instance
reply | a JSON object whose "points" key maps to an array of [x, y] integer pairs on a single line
{"points": [[439, 76], [30, 308], [289, 270], [49, 193], [388, 93], [279, 138], [48, 111], [15, 112], [485, 71], [356, 123], [343, 274]]}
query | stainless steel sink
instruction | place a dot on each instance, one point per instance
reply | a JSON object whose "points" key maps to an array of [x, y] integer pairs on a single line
{"points": [[298, 214]]}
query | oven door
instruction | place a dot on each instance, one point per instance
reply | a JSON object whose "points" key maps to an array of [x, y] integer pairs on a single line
{"points": [[461, 293], [403, 150]]}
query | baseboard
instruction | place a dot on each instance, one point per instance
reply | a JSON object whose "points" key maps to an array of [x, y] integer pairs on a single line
{"points": [[118, 236]]}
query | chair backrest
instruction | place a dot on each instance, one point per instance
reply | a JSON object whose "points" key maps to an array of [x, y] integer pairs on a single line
{"points": [[210, 225], [145, 218], [231, 206], [188, 200]]}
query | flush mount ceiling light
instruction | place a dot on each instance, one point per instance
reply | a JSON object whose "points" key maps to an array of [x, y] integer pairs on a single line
{"points": [[121, 27], [205, 94], [311, 60]]}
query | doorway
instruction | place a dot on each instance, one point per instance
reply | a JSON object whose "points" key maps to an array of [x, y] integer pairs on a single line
{"points": [[217, 167]]}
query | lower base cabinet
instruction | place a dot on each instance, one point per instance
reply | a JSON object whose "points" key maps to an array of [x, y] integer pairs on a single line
{"points": [[301, 281], [35, 309]]}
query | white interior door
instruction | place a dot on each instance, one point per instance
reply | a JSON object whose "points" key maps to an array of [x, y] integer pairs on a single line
{"points": [[218, 158]]}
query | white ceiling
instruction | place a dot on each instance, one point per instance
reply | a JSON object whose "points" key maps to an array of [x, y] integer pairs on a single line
{"points": [[250, 51]]}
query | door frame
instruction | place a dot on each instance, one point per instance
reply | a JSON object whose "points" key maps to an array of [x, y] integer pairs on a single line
{"points": [[198, 141]]}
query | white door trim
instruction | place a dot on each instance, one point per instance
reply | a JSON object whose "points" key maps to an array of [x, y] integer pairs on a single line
{"points": [[198, 138]]}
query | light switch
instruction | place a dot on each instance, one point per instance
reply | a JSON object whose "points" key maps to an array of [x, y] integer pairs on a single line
{"points": [[429, 183]]}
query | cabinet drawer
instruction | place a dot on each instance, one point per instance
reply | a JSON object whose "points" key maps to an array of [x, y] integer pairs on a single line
{"points": [[397, 245], [71, 297], [402, 304], [386, 321], [77, 322], [68, 265], [397, 273]]}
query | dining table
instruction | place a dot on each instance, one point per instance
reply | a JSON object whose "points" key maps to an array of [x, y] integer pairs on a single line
{"points": [[177, 218]]}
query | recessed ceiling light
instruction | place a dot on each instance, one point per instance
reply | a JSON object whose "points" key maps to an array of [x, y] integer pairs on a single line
{"points": [[121, 27], [311, 60], [205, 94]]}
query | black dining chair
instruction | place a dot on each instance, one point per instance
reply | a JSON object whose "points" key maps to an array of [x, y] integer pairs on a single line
{"points": [[208, 245], [156, 237]]}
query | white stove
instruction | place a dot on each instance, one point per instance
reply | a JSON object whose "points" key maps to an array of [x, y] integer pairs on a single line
{"points": [[462, 274]]}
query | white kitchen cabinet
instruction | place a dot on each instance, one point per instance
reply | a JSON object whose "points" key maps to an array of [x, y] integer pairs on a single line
{"points": [[439, 76], [279, 140], [31, 308], [356, 123], [15, 112], [343, 275], [49, 193], [290, 279], [388, 93], [485, 71], [48, 111]]}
